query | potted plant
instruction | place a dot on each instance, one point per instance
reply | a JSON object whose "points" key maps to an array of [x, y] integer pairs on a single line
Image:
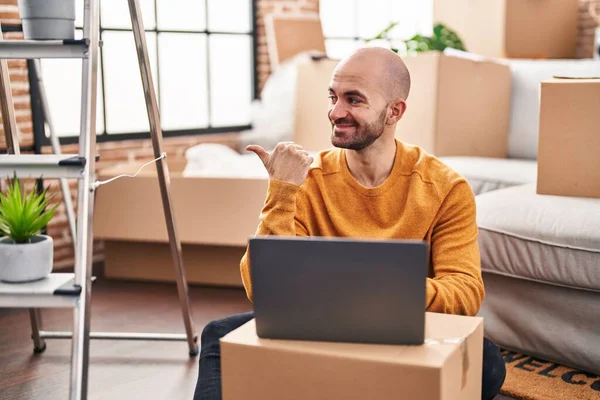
{"points": [[442, 38], [26, 254], [47, 19]]}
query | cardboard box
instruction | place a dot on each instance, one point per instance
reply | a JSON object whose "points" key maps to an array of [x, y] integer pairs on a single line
{"points": [[290, 35], [447, 367], [207, 210], [569, 138], [214, 218], [513, 28], [456, 107], [312, 128], [151, 261]]}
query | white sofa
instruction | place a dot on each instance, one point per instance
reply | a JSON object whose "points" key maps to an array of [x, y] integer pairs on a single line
{"points": [[541, 267], [540, 254]]}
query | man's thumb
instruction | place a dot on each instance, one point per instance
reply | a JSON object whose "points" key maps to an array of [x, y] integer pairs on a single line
{"points": [[260, 152]]}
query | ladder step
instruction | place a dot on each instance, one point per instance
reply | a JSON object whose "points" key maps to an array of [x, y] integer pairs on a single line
{"points": [[57, 290], [22, 49], [42, 166]]}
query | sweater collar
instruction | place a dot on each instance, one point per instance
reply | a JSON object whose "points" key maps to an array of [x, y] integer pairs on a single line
{"points": [[383, 187]]}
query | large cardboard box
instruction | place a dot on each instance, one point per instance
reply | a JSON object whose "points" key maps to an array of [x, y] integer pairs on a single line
{"points": [[290, 35], [513, 28], [456, 107], [569, 138], [214, 218], [447, 367]]}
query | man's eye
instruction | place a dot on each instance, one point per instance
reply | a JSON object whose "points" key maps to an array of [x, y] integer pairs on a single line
{"points": [[353, 100], [331, 97]]}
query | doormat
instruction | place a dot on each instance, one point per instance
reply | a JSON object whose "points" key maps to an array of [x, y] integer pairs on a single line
{"points": [[530, 378]]}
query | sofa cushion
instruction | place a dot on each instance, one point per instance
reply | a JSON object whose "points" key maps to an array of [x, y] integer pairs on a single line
{"points": [[486, 174], [550, 239]]}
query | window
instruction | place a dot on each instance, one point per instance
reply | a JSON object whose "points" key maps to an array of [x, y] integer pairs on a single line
{"points": [[202, 55], [347, 23]]}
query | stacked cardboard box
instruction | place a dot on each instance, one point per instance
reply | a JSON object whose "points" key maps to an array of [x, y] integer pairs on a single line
{"points": [[513, 28]]}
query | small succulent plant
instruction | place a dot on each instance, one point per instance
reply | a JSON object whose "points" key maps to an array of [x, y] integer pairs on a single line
{"points": [[24, 215]]}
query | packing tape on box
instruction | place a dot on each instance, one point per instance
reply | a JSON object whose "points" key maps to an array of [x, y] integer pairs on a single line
{"points": [[464, 350]]}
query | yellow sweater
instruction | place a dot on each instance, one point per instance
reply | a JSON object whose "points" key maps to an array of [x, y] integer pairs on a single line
{"points": [[421, 199]]}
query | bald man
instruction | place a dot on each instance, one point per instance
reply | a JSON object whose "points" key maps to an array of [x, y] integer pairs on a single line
{"points": [[369, 185]]}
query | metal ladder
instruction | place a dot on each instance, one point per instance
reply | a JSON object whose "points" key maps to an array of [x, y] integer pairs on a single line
{"points": [[74, 289]]}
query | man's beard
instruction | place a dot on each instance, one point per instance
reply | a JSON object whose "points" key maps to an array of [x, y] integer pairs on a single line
{"points": [[364, 135]]}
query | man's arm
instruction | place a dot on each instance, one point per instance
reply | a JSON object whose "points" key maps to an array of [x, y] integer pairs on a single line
{"points": [[288, 166], [457, 286], [279, 217]]}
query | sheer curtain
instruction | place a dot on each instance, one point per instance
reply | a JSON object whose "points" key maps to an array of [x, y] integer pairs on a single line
{"points": [[346, 23]]}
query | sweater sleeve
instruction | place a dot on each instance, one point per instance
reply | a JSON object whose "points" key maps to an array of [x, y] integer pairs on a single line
{"points": [[456, 286], [279, 217]]}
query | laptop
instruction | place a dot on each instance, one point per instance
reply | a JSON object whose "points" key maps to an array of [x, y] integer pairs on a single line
{"points": [[339, 289]]}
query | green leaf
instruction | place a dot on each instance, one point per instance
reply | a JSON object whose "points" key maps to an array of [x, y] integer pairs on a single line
{"points": [[384, 33], [442, 38], [437, 30], [23, 216]]}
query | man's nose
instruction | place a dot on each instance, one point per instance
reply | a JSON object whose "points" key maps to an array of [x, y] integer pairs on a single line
{"points": [[337, 111]]}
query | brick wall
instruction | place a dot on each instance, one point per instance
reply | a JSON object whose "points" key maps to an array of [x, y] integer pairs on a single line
{"points": [[9, 15], [21, 99], [141, 150]]}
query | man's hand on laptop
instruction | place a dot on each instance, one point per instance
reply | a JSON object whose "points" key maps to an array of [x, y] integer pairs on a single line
{"points": [[288, 162]]}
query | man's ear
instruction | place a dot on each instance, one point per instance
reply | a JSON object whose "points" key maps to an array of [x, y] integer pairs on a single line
{"points": [[398, 108]]}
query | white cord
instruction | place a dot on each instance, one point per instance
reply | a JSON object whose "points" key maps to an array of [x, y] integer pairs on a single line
{"points": [[99, 183]]}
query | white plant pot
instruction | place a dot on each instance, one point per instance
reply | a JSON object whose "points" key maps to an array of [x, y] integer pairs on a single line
{"points": [[26, 262], [47, 19]]}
